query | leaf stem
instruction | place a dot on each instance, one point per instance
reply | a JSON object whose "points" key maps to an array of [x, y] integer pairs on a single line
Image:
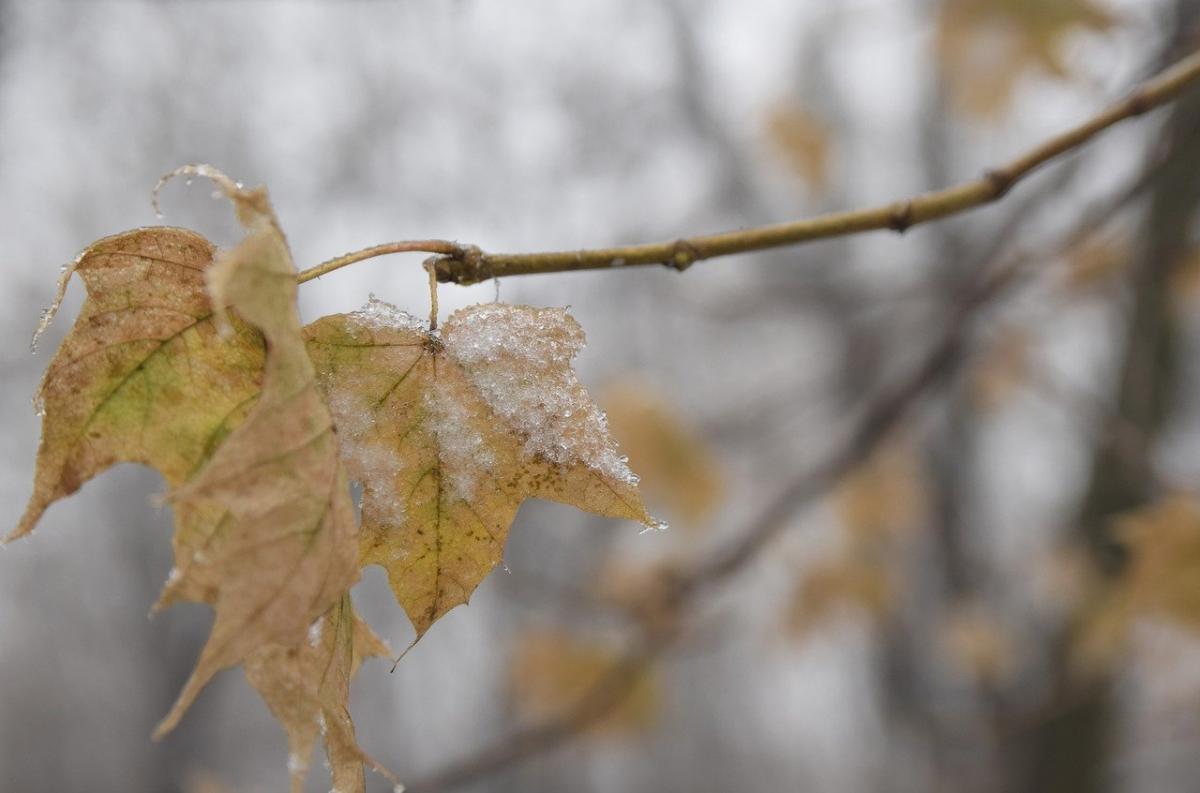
{"points": [[444, 247], [433, 296]]}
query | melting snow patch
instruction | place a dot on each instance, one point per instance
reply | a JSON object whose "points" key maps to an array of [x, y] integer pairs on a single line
{"points": [[519, 359]]}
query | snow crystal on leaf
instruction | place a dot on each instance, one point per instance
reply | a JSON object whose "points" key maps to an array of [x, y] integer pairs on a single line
{"points": [[315, 630], [369, 459], [461, 449], [519, 359], [379, 314]]}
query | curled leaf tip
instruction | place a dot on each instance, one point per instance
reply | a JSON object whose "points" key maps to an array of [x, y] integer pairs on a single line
{"points": [[232, 189], [48, 313]]}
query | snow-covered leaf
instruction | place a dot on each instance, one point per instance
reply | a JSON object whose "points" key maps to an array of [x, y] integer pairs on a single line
{"points": [[449, 432]]}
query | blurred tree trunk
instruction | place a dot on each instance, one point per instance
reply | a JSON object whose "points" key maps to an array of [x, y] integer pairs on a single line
{"points": [[1071, 750]]}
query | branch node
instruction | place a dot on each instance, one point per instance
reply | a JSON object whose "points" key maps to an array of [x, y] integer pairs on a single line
{"points": [[683, 255], [1138, 103], [1000, 180], [901, 217], [467, 265]]}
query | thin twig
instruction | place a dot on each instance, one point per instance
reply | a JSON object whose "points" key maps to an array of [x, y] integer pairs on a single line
{"points": [[468, 264]]}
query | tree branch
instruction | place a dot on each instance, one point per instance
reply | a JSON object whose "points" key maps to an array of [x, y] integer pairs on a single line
{"points": [[467, 264]]}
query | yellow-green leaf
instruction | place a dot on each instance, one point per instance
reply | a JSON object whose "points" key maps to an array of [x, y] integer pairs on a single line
{"points": [[449, 432], [143, 376]]}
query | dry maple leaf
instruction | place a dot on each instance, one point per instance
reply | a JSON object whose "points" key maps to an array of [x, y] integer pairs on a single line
{"points": [[449, 432], [143, 376], [284, 551], [307, 688]]}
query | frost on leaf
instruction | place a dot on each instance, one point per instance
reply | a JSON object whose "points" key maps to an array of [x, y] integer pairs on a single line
{"points": [[449, 432], [143, 376], [307, 687], [284, 550]]}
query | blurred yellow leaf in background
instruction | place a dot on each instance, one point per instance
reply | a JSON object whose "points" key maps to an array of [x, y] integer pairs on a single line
{"points": [[978, 642], [804, 142], [985, 46], [878, 503], [1097, 260], [676, 467], [850, 582], [1161, 579], [885, 495], [551, 671], [1163, 576]]}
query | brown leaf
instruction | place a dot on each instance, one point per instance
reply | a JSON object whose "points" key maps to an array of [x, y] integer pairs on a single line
{"points": [[143, 376], [307, 687], [450, 432], [147, 376], [284, 550]]}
